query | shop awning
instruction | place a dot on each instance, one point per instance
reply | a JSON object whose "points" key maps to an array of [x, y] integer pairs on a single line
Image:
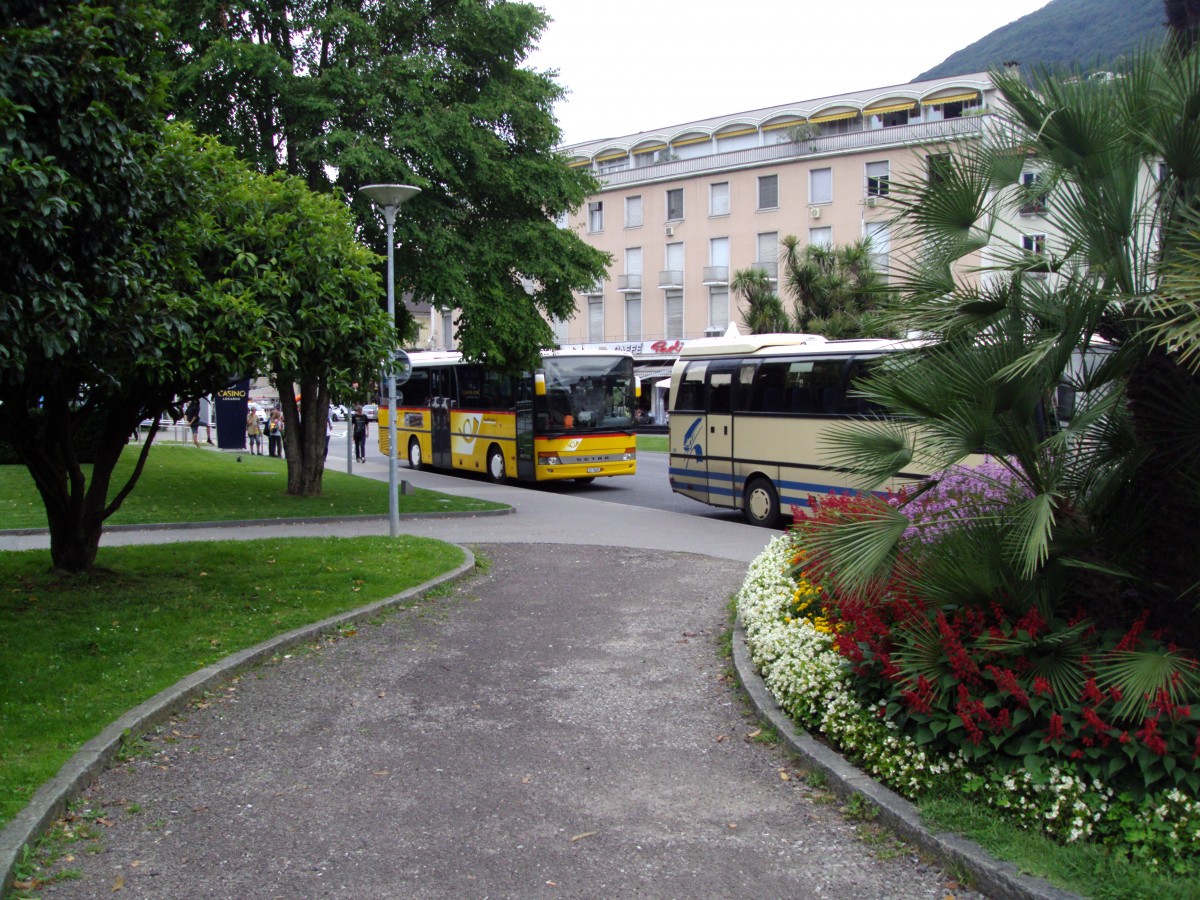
{"points": [[889, 108], [833, 117], [953, 98]]}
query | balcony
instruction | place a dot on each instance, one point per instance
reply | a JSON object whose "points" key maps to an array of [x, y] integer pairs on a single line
{"points": [[715, 275], [771, 269], [629, 284], [670, 278], [874, 139]]}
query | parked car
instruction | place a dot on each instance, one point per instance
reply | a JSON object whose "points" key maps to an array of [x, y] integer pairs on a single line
{"points": [[371, 411], [340, 413]]}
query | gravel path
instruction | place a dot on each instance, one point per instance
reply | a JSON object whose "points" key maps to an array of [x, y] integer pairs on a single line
{"points": [[561, 725]]}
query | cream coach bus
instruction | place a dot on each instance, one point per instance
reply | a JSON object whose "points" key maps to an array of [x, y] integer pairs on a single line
{"points": [[749, 414]]}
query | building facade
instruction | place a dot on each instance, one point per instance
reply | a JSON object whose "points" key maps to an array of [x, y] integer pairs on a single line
{"points": [[681, 209]]}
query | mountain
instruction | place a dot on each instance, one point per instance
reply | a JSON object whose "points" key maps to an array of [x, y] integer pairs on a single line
{"points": [[1091, 34]]}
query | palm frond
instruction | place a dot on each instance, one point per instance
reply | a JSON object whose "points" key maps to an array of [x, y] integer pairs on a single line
{"points": [[862, 550], [1139, 676]]}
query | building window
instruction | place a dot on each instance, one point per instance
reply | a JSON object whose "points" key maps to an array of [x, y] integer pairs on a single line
{"points": [[633, 211], [633, 317], [633, 260], [718, 199], [937, 167], [674, 204], [767, 253], [596, 216], [559, 327], [820, 186], [718, 309], [768, 192], [674, 304], [821, 237], [595, 320], [879, 243], [878, 175], [893, 118], [1034, 243], [447, 329], [1033, 200]]}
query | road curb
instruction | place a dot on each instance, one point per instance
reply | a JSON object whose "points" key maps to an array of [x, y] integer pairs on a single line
{"points": [[293, 520], [997, 879], [51, 799]]}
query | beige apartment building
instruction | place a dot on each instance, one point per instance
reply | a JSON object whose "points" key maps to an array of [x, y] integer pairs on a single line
{"points": [[682, 208]]}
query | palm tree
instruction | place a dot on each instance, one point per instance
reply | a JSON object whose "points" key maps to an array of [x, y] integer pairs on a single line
{"points": [[764, 310], [1109, 496], [832, 288]]}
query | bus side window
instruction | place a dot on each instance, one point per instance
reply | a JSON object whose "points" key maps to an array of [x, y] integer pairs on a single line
{"points": [[720, 385], [768, 391], [690, 394], [744, 392], [853, 404], [416, 389]]}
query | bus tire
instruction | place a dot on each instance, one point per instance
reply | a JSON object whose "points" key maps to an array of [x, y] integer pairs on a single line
{"points": [[760, 503], [495, 465], [414, 454]]}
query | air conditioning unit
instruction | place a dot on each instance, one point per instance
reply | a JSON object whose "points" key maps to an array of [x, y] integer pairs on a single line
{"points": [[872, 201], [815, 212], [670, 231]]}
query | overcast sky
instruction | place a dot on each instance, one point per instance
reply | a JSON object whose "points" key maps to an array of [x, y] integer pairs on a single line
{"points": [[637, 65]]}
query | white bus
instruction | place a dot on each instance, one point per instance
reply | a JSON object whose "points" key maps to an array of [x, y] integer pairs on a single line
{"points": [[749, 415]]}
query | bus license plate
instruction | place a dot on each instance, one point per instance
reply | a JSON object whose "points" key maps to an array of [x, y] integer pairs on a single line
{"points": [[592, 470]]}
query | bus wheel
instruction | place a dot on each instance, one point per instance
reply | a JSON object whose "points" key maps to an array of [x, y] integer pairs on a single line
{"points": [[414, 454], [760, 503], [495, 465]]}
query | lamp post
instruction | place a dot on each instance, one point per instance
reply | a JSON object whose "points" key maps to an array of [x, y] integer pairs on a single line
{"points": [[389, 197]]}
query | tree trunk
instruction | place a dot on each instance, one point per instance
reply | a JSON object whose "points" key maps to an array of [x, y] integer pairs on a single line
{"points": [[304, 434]]}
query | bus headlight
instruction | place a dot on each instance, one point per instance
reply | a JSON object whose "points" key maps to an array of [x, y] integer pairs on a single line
{"points": [[548, 459]]}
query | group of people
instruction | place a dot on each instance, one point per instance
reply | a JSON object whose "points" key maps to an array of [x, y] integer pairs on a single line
{"points": [[273, 428]]}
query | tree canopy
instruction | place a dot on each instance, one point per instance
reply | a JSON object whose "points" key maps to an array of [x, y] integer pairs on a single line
{"points": [[425, 92], [145, 264]]}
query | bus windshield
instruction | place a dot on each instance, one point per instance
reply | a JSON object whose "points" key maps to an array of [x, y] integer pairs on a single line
{"points": [[588, 393]]}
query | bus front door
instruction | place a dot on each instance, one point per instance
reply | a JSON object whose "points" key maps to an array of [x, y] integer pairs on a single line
{"points": [[718, 452], [439, 432], [526, 464]]}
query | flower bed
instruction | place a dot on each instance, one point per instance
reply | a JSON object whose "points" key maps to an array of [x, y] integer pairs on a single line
{"points": [[792, 634]]}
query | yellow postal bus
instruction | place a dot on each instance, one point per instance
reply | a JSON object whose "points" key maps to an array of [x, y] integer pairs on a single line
{"points": [[750, 413], [570, 419]]}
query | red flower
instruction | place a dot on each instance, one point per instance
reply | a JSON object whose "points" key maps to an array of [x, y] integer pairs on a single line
{"points": [[1054, 732], [1042, 686]]}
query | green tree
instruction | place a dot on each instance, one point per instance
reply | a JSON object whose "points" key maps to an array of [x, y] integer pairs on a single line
{"points": [[146, 265], [423, 92], [1112, 499], [319, 288], [764, 312], [835, 291], [107, 302]]}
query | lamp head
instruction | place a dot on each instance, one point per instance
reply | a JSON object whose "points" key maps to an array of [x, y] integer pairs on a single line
{"points": [[389, 195]]}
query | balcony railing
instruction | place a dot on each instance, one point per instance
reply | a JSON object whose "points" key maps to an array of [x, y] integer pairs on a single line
{"points": [[919, 133], [771, 269], [716, 275], [670, 278], [629, 284]]}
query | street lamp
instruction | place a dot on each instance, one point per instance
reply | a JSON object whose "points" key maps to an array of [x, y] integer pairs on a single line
{"points": [[388, 197]]}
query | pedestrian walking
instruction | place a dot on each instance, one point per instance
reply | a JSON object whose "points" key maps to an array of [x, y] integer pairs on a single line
{"points": [[359, 423], [192, 416]]}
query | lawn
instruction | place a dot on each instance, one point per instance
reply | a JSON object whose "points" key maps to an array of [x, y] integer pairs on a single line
{"points": [[185, 484], [76, 653], [652, 443]]}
